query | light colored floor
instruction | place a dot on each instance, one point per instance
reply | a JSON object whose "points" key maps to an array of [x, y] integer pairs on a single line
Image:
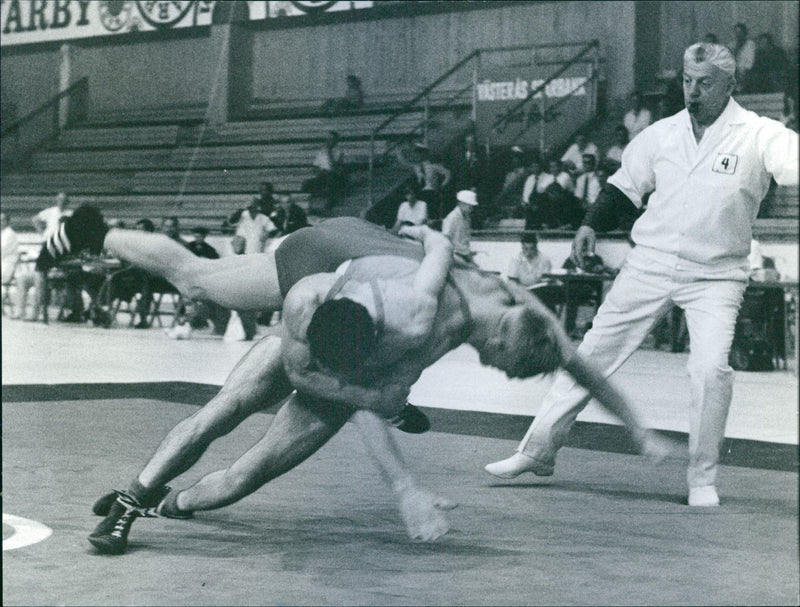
{"points": [[765, 405]]}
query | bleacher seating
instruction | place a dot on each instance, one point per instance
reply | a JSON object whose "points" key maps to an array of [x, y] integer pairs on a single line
{"points": [[201, 173]]}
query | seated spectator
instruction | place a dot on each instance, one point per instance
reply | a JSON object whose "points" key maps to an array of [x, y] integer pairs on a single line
{"points": [[330, 176], [557, 208], [199, 311], [788, 113], [510, 193], [287, 217], [253, 226], [353, 98], [412, 210], [266, 198], [770, 68], [638, 118], [170, 226], [711, 38], [527, 267], [614, 153], [532, 190], [564, 176], [744, 50], [584, 293], [587, 186], [576, 151]]}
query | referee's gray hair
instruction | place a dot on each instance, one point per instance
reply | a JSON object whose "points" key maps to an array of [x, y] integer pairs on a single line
{"points": [[715, 54]]}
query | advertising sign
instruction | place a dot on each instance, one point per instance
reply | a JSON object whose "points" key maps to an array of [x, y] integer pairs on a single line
{"points": [[548, 117], [30, 21]]}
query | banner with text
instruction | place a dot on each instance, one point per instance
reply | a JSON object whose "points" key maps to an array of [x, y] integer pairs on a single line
{"points": [[30, 21], [545, 120]]}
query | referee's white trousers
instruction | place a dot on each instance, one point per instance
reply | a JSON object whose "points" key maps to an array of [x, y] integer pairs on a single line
{"points": [[640, 295]]}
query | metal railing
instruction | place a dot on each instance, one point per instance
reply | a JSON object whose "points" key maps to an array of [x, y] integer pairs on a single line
{"points": [[44, 124], [422, 101]]}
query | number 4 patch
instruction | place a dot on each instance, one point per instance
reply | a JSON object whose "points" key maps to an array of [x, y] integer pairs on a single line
{"points": [[725, 163]]}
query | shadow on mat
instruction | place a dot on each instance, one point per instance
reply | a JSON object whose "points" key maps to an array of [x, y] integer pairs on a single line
{"points": [[299, 539], [623, 494]]}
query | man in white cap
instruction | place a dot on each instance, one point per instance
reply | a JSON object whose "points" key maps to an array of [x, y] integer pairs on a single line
{"points": [[708, 168], [457, 225]]}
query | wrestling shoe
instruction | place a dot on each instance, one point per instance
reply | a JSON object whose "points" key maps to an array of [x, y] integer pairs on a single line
{"points": [[84, 230], [411, 420], [111, 535]]}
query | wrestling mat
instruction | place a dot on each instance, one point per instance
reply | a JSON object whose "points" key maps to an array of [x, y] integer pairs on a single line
{"points": [[607, 529]]}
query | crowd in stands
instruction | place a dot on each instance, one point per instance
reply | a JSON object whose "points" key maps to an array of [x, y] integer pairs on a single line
{"points": [[456, 190]]}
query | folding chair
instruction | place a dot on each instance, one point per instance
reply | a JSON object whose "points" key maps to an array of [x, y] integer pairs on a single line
{"points": [[10, 282]]}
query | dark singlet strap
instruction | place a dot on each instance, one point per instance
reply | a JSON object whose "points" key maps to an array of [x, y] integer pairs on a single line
{"points": [[337, 286], [462, 300], [376, 293]]}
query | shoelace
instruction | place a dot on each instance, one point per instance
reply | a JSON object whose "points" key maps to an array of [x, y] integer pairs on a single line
{"points": [[124, 523]]}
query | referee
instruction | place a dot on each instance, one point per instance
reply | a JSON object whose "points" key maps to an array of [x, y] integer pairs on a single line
{"points": [[708, 168]]}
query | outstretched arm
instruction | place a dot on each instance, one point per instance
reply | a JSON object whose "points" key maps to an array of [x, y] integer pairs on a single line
{"points": [[420, 508], [432, 273]]}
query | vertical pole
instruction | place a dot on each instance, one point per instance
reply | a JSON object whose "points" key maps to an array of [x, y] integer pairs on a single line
{"points": [[475, 87], [426, 118], [371, 165]]}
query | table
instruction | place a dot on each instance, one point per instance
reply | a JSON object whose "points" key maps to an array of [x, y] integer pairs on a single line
{"points": [[580, 288]]}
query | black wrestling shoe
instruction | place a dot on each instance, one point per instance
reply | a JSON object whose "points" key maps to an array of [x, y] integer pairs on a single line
{"points": [[111, 535], [411, 420], [102, 505], [84, 230]]}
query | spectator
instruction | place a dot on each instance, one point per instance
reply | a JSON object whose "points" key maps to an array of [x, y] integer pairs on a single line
{"points": [[146, 283], [564, 176], [288, 217], [457, 225], [614, 153], [10, 247], [254, 227], [513, 180], [744, 51], [527, 267], [432, 177], [200, 312], [353, 98], [638, 117], [330, 179], [533, 190], [711, 37], [241, 325], [576, 151], [266, 198], [170, 226], [48, 220], [788, 114], [412, 210], [770, 68], [587, 186], [556, 208]]}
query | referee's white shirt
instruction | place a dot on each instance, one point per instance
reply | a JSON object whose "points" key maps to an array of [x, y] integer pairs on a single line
{"points": [[705, 197]]}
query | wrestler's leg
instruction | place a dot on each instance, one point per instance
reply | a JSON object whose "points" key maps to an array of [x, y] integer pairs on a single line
{"points": [[299, 429], [258, 381], [240, 282]]}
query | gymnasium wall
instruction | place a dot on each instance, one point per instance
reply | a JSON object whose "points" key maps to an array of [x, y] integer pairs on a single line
{"points": [[403, 54]]}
